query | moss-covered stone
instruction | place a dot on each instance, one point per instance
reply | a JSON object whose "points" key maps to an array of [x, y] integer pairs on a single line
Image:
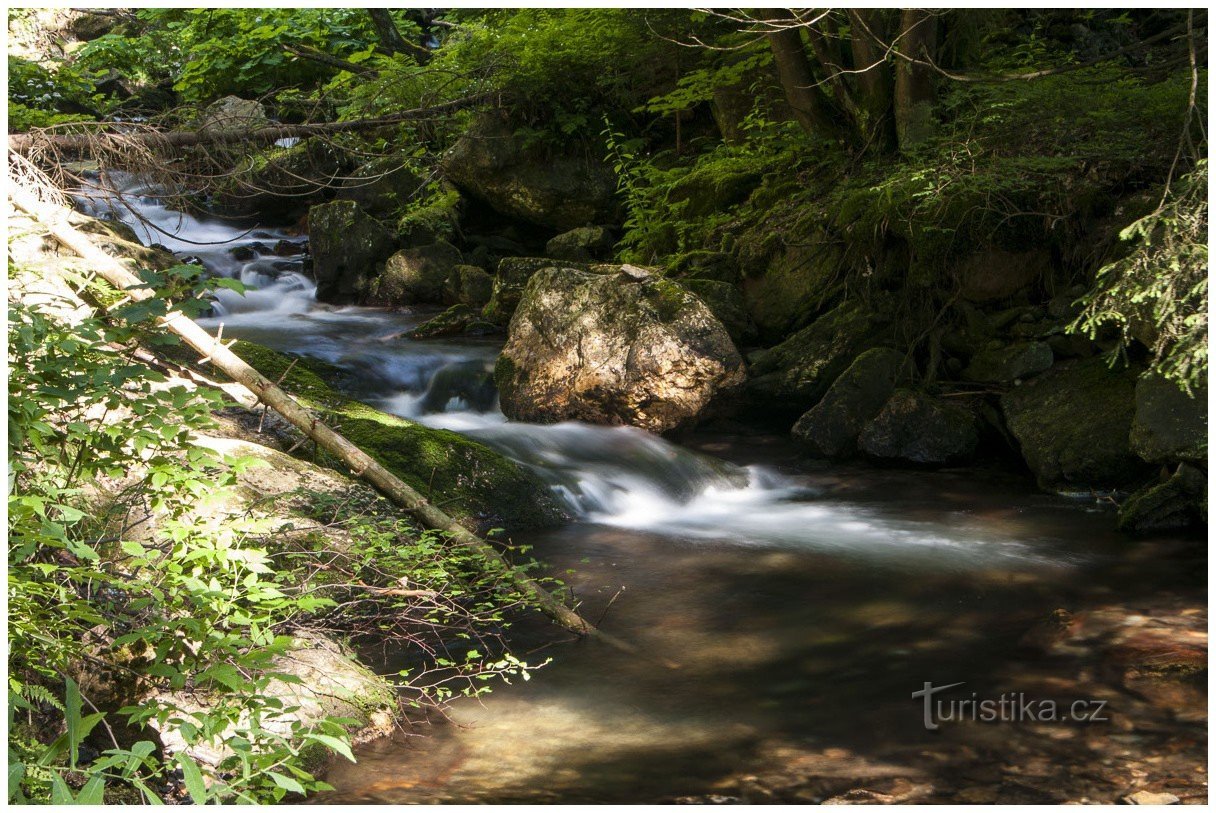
{"points": [[917, 428], [468, 480], [584, 244], [512, 275], [791, 378], [1169, 425], [715, 187], [830, 428], [557, 190], [415, 275], [382, 185], [1073, 422], [792, 286], [349, 248], [1181, 501], [458, 320], [1009, 362], [468, 285], [726, 302]]}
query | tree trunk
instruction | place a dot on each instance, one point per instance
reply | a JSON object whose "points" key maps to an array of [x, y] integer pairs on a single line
{"points": [[810, 106], [874, 79], [361, 464], [914, 94]]}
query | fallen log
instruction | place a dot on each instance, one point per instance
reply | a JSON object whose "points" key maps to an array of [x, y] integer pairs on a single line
{"points": [[24, 143], [361, 464]]}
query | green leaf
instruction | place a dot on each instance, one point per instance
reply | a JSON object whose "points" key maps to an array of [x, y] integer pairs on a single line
{"points": [[334, 744], [286, 783], [93, 792], [193, 778], [61, 794]]}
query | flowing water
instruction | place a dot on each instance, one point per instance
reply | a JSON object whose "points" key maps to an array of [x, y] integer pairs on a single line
{"points": [[791, 610]]}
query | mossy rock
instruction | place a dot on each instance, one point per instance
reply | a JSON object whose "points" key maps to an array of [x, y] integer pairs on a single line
{"points": [[1181, 501], [726, 302], [715, 187], [830, 428], [468, 480], [1073, 423], [458, 320], [1170, 425], [917, 428], [1009, 362], [468, 285], [415, 275], [512, 275], [349, 248], [790, 378], [795, 284]]}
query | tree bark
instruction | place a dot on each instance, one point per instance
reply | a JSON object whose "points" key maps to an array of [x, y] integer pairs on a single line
{"points": [[914, 92], [873, 79], [361, 464], [391, 39], [810, 106]]}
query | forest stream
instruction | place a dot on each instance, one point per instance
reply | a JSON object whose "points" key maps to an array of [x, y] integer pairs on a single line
{"points": [[800, 605]]}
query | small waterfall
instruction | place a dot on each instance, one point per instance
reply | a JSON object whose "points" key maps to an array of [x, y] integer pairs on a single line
{"points": [[612, 476]]}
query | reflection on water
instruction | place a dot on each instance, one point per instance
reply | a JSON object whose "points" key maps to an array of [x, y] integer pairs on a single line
{"points": [[802, 607]]}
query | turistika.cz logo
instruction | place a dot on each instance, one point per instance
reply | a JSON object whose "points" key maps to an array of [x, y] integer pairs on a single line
{"points": [[1009, 707]]}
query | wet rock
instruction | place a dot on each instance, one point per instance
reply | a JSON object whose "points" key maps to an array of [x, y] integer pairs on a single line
{"points": [[1009, 362], [1072, 424], [914, 427], [458, 320], [583, 244], [232, 113], [1169, 424], [290, 248], [1147, 797], [438, 218], [416, 275], [791, 377], [348, 247], [726, 302], [1179, 502], [992, 275], [559, 191], [468, 285], [632, 348], [830, 428]]}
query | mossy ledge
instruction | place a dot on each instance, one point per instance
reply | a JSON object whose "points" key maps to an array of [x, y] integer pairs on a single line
{"points": [[470, 481]]}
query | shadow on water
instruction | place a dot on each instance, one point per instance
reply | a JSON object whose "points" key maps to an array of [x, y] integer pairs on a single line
{"points": [[804, 605]]}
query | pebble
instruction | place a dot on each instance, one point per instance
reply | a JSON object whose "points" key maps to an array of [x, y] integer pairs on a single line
{"points": [[1147, 797]]}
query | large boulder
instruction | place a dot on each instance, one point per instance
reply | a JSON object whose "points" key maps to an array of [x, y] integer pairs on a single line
{"points": [[583, 244], [830, 428], [348, 248], [917, 428], [791, 377], [629, 347], [559, 191], [1072, 424], [794, 283], [232, 113], [416, 275], [1169, 425]]}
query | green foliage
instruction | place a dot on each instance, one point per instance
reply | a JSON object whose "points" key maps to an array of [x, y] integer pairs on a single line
{"points": [[111, 563], [211, 52], [40, 97], [1158, 292]]}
